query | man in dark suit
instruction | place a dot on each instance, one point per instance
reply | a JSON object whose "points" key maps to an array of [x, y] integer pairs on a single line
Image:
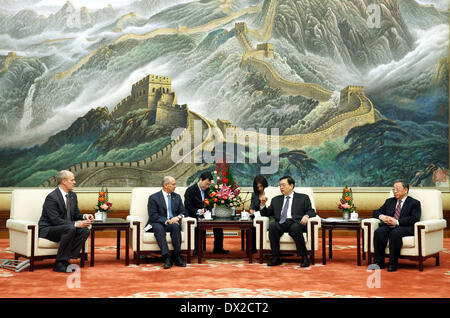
{"points": [[291, 212], [61, 221], [398, 215], [194, 198], [165, 211]]}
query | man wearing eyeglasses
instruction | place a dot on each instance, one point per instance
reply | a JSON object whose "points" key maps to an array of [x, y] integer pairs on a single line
{"points": [[397, 216], [291, 211]]}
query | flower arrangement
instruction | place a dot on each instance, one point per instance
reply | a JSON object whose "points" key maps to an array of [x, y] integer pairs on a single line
{"points": [[225, 191], [346, 202], [103, 205]]}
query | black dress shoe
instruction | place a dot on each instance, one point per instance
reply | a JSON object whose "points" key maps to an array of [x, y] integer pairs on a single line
{"points": [[275, 261], [167, 262], [221, 251], [392, 268], [179, 262], [60, 267], [305, 262]]}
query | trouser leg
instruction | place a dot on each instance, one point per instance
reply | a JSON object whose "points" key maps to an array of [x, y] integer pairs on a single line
{"points": [[380, 240], [295, 230], [175, 234]]}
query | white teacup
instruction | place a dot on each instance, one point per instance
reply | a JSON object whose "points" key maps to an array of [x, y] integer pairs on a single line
{"points": [[244, 215], [98, 216], [207, 215]]}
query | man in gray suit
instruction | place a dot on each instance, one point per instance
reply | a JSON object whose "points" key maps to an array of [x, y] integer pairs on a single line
{"points": [[61, 221]]}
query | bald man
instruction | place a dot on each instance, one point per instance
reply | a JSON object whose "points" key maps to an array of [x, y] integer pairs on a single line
{"points": [[61, 221], [165, 211]]}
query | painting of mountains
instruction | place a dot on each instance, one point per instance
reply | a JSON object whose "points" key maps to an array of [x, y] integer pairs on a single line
{"points": [[124, 92]]}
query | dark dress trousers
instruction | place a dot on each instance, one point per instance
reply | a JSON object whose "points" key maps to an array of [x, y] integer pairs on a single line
{"points": [[56, 225], [300, 206], [409, 214], [157, 217], [193, 202]]}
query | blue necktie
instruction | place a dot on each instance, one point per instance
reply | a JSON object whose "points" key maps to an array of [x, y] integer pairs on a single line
{"points": [[203, 195], [284, 211], [169, 206]]}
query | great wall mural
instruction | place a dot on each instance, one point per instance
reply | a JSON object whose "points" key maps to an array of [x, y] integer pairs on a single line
{"points": [[357, 90]]}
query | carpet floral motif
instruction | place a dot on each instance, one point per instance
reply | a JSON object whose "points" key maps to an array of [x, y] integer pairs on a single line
{"points": [[239, 293]]}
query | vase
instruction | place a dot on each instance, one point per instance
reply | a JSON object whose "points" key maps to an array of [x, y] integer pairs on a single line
{"points": [[223, 212], [346, 215]]}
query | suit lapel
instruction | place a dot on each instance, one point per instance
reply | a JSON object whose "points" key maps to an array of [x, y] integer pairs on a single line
{"points": [[61, 200], [163, 200]]}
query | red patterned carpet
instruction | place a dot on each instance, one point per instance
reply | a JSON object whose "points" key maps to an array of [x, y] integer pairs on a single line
{"points": [[230, 276]]}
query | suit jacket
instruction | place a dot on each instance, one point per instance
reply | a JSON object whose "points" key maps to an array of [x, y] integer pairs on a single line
{"points": [[54, 211], [409, 214], [193, 200], [301, 206], [157, 209]]}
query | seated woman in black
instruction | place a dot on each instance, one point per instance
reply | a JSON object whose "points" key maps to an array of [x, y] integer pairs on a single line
{"points": [[259, 184]]}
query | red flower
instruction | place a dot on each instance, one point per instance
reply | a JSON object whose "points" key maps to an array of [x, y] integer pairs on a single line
{"points": [[101, 199], [215, 199], [206, 202], [102, 193], [225, 180], [212, 194]]}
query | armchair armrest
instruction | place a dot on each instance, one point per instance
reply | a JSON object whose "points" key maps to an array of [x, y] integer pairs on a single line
{"points": [[185, 220], [318, 223], [373, 224], [431, 225], [20, 225]]}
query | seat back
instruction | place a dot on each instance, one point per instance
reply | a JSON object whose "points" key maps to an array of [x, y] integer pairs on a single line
{"points": [[139, 200], [309, 192], [26, 204], [430, 202]]}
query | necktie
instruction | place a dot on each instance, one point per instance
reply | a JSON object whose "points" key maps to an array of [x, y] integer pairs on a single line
{"points": [[284, 211], [397, 210], [68, 215], [169, 206]]}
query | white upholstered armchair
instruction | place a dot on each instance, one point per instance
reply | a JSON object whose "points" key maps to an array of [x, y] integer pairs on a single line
{"points": [[26, 209], [144, 243], [428, 232], [287, 244]]}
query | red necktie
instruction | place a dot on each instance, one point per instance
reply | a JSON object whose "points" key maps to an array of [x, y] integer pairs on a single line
{"points": [[397, 210]]}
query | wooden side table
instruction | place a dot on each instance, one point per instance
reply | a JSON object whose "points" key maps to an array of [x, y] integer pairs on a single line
{"points": [[203, 225], [112, 224], [331, 224]]}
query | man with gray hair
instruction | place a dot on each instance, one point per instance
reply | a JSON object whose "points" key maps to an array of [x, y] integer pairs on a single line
{"points": [[398, 216], [165, 211], [61, 221]]}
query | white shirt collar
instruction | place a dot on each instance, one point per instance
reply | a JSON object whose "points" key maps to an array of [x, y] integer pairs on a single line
{"points": [[165, 194], [63, 193], [290, 195]]}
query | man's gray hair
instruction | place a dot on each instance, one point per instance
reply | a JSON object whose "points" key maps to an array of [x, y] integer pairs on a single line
{"points": [[166, 180], [63, 174], [404, 183]]}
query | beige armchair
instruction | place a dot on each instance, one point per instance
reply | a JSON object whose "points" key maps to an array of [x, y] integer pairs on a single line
{"points": [[287, 244], [144, 243], [428, 236], [26, 209]]}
